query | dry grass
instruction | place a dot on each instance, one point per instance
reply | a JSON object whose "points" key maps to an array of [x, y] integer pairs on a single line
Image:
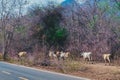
{"points": [[74, 66], [97, 71]]}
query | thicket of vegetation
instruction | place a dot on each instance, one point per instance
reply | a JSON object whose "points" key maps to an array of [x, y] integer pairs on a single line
{"points": [[92, 26]]}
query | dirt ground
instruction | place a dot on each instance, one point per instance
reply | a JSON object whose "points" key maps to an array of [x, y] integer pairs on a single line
{"points": [[98, 71]]}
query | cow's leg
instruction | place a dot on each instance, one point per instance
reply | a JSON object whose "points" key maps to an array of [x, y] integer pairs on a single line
{"points": [[108, 60], [105, 61]]}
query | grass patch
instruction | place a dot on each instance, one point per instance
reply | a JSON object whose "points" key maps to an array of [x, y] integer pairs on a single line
{"points": [[1, 57], [116, 72], [74, 66]]}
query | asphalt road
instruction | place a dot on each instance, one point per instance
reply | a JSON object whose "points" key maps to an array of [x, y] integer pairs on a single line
{"points": [[16, 72]]}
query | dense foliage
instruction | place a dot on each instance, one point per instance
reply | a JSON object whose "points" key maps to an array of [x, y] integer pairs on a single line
{"points": [[90, 26]]}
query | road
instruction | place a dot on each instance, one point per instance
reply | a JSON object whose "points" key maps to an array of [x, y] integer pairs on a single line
{"points": [[17, 72]]}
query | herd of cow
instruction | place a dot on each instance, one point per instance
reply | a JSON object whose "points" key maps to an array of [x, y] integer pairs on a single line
{"points": [[59, 55], [63, 55], [87, 56]]}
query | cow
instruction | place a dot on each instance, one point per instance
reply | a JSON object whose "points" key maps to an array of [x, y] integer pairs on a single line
{"points": [[106, 58]]}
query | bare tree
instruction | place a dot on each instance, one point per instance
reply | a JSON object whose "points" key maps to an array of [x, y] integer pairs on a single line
{"points": [[10, 10], [91, 26]]}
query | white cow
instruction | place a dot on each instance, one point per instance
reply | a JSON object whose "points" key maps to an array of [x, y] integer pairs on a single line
{"points": [[87, 55], [52, 54], [64, 55]]}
